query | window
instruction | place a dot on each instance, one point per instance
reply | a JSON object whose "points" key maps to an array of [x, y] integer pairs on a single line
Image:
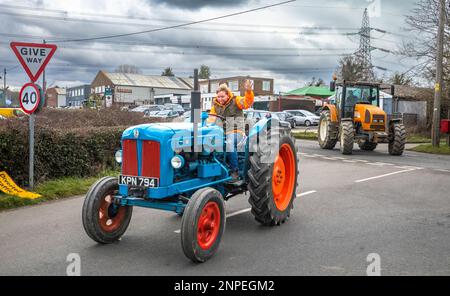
{"points": [[266, 85], [82, 91], [234, 85]]}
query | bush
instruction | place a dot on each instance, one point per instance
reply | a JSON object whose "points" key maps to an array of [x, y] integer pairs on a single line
{"points": [[68, 143]]}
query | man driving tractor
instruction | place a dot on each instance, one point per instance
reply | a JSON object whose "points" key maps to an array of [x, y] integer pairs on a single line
{"points": [[230, 108]]}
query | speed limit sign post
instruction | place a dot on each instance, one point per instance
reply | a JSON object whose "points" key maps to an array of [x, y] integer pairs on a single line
{"points": [[30, 98]]}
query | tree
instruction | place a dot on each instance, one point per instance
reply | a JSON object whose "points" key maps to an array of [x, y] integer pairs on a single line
{"points": [[351, 69], [316, 82], [167, 72], [423, 24], [125, 68], [204, 72], [400, 79]]}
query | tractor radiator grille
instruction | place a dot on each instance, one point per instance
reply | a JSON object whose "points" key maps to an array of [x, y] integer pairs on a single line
{"points": [[129, 158], [377, 127], [150, 163]]}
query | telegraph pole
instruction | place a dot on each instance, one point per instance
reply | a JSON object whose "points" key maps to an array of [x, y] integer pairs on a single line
{"points": [[439, 80], [4, 82]]}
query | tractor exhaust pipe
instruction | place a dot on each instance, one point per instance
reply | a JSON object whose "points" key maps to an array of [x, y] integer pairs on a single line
{"points": [[195, 112]]}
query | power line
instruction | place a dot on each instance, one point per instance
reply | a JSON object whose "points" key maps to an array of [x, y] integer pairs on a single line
{"points": [[174, 26]]}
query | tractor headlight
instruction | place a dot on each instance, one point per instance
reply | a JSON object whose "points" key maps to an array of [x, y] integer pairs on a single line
{"points": [[177, 162], [118, 156], [357, 114]]}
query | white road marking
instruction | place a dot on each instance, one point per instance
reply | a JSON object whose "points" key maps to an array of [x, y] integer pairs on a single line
{"points": [[307, 155], [350, 161], [361, 160], [442, 170], [340, 158], [385, 175], [329, 158], [249, 209], [306, 193], [239, 212]]}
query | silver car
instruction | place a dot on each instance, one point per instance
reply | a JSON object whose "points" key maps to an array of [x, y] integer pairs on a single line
{"points": [[304, 117]]}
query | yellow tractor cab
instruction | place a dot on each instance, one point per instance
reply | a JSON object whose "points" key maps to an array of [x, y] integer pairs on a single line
{"points": [[355, 115]]}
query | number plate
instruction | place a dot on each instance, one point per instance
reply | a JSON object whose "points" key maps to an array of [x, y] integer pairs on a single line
{"points": [[138, 181]]}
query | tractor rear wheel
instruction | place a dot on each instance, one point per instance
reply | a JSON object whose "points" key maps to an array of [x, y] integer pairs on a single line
{"points": [[327, 132], [273, 180], [104, 221], [203, 224], [397, 138], [346, 135], [367, 146]]}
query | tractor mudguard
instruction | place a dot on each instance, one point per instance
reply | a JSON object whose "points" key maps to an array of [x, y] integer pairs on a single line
{"points": [[333, 112]]}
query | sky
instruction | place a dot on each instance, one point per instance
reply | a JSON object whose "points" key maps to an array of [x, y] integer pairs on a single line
{"points": [[290, 43]]}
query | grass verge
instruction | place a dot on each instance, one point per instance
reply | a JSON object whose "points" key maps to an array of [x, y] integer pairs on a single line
{"points": [[305, 136], [54, 189], [428, 148]]}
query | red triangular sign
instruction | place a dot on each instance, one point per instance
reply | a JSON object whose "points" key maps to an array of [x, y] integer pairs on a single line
{"points": [[33, 57]]}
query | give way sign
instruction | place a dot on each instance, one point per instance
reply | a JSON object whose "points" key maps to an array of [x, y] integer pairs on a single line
{"points": [[33, 57]]}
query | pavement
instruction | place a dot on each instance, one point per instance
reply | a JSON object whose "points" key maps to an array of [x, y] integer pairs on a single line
{"points": [[349, 208]]}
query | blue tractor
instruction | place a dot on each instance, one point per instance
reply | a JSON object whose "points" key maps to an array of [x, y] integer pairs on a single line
{"points": [[182, 167]]}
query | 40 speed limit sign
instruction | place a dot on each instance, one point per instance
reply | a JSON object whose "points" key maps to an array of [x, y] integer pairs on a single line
{"points": [[30, 97]]}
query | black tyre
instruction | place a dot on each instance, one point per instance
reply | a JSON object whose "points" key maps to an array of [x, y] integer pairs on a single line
{"points": [[367, 146], [273, 184], [203, 224], [104, 221], [397, 138], [327, 133], [346, 135]]}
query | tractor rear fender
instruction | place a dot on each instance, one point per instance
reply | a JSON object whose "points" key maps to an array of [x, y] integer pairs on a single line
{"points": [[333, 112]]}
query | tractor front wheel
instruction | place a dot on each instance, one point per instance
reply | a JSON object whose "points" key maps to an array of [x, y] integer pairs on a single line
{"points": [[346, 135], [368, 146], [273, 184], [203, 224], [327, 131], [103, 220], [397, 139]]}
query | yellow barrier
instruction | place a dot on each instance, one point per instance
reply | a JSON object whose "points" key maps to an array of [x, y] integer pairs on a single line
{"points": [[8, 186]]}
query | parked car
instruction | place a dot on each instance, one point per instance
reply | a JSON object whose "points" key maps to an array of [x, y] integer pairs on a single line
{"points": [[284, 116], [255, 115], [174, 107], [164, 114], [304, 117], [146, 109]]}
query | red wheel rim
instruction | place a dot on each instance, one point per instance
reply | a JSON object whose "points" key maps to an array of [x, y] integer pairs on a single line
{"points": [[283, 177], [107, 221], [208, 225]]}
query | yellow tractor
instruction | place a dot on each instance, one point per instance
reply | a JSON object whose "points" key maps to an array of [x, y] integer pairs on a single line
{"points": [[355, 116]]}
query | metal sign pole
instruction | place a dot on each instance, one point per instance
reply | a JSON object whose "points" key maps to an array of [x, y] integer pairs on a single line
{"points": [[31, 161]]}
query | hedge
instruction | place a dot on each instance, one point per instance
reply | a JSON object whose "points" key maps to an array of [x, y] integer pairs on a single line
{"points": [[60, 149]]}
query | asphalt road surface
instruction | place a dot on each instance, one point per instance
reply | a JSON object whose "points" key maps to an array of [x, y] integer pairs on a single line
{"points": [[351, 206]]}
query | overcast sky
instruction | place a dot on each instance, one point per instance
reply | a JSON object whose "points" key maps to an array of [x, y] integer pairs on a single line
{"points": [[274, 43]]}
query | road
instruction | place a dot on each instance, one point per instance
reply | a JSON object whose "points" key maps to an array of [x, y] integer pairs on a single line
{"points": [[352, 206]]}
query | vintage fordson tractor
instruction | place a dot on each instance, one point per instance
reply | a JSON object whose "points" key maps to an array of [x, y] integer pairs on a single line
{"points": [[163, 169]]}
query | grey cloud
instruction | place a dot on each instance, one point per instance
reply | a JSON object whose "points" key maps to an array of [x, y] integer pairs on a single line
{"points": [[194, 4]]}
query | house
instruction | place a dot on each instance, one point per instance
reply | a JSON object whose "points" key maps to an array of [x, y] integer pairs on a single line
{"points": [[137, 89], [55, 97], [78, 95], [261, 86]]}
